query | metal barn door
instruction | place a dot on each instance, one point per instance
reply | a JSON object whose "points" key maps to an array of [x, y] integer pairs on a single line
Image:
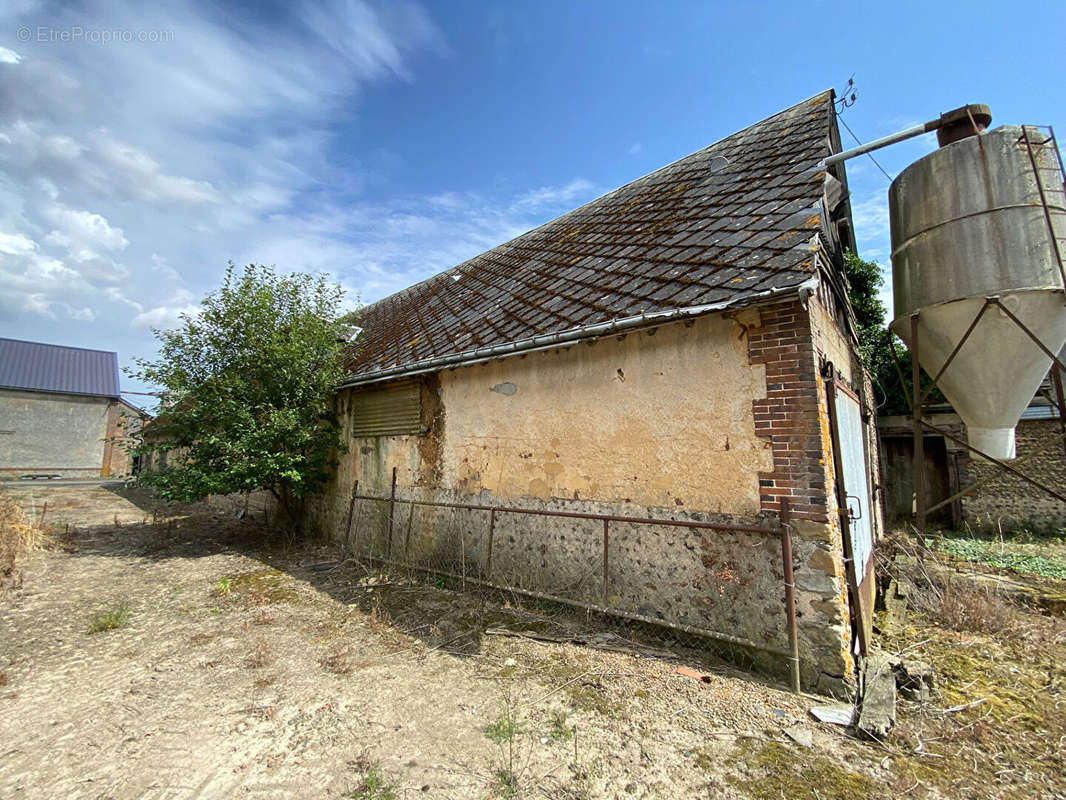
{"points": [[854, 502]]}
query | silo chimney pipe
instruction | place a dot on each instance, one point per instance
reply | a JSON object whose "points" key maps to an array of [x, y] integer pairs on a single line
{"points": [[950, 126]]}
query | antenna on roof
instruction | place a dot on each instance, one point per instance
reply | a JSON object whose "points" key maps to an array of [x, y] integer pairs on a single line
{"points": [[848, 96]]}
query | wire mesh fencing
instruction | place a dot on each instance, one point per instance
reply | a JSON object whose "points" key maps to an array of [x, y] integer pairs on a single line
{"points": [[702, 583]]}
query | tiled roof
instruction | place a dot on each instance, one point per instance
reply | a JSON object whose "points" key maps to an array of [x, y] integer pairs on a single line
{"points": [[52, 368], [723, 225]]}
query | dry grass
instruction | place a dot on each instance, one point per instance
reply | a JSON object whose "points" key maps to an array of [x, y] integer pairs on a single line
{"points": [[970, 608], [379, 615], [966, 602], [339, 660], [260, 655], [264, 616], [18, 535], [996, 723]]}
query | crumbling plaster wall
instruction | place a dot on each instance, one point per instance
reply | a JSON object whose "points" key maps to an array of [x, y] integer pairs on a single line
{"points": [[659, 418]]}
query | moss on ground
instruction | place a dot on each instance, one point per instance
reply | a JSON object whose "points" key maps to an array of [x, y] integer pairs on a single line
{"points": [[573, 679], [995, 728], [265, 586], [797, 774]]}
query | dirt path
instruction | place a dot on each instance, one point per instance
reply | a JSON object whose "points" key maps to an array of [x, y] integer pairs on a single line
{"points": [[245, 670]]}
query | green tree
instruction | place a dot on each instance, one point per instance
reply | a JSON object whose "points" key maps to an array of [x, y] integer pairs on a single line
{"points": [[876, 342], [247, 389]]}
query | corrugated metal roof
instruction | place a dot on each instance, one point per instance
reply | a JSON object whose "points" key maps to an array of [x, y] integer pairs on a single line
{"points": [[53, 368], [723, 225]]}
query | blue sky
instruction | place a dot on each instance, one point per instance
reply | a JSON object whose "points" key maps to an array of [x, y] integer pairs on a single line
{"points": [[142, 145]]}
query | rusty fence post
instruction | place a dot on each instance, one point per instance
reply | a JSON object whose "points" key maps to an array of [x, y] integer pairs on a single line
{"points": [[351, 512], [488, 549], [790, 596], [407, 536], [392, 512], [605, 551]]}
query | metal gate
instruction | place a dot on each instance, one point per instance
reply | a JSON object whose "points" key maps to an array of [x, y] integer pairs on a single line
{"points": [[855, 505]]}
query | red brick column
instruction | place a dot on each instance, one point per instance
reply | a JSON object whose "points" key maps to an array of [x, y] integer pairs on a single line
{"points": [[789, 416]]}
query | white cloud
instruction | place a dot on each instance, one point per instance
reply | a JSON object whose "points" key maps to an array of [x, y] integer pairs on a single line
{"points": [[82, 314], [554, 196], [870, 215], [635, 148], [131, 172], [62, 147], [82, 231], [138, 174], [163, 317], [14, 244]]}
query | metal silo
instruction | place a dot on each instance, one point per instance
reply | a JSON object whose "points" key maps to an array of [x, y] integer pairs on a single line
{"points": [[978, 219]]}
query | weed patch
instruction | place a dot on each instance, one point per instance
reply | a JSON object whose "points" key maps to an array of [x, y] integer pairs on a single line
{"points": [[559, 731], [1004, 554], [503, 732], [374, 785], [505, 783], [109, 620]]}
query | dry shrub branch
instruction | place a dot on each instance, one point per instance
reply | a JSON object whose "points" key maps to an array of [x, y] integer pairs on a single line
{"points": [[18, 535]]}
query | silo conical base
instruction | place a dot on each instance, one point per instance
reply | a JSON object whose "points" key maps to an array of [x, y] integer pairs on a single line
{"points": [[996, 442], [999, 368]]}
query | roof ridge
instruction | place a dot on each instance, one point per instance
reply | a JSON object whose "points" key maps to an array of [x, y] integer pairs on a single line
{"points": [[58, 346]]}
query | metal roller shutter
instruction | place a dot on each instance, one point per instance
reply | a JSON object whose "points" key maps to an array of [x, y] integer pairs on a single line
{"points": [[391, 410]]}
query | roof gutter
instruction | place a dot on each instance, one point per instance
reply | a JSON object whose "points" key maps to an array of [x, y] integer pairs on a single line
{"points": [[549, 340]]}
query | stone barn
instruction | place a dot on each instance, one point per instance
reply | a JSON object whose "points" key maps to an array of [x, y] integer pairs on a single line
{"points": [[61, 414], [548, 416]]}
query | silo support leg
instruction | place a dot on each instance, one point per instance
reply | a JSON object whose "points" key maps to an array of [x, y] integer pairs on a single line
{"points": [[919, 444], [1001, 464]]}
